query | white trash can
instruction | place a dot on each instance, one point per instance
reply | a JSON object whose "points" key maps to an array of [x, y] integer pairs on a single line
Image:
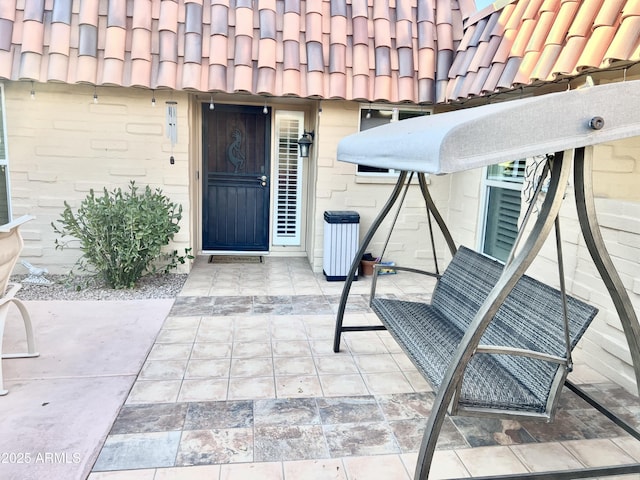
{"points": [[341, 235]]}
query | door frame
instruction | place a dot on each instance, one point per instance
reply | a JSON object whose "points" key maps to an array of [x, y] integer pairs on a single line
{"points": [[311, 113], [202, 177]]}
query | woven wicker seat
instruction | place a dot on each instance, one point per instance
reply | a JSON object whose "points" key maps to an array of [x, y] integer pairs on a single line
{"points": [[531, 319]]}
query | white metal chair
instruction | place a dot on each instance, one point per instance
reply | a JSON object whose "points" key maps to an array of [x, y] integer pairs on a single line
{"points": [[10, 247]]}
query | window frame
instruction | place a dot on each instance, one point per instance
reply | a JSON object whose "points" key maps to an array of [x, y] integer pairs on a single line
{"points": [[4, 161], [487, 184], [395, 110]]}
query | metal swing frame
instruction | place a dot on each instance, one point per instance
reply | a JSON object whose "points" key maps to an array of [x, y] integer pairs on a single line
{"points": [[575, 157]]}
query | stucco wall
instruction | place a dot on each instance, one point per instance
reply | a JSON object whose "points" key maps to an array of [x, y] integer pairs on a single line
{"points": [[339, 188], [61, 144]]}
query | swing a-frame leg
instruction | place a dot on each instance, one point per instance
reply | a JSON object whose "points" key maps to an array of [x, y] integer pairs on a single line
{"points": [[404, 180], [450, 387], [455, 350]]}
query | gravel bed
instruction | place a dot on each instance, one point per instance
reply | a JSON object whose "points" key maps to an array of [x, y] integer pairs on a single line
{"points": [[149, 287]]}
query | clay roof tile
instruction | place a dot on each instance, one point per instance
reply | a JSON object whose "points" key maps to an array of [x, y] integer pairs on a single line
{"points": [[337, 85], [522, 39], [631, 8], [117, 14], [57, 68], [609, 13], [562, 22], [541, 32], [7, 64], [167, 72], [313, 27], [33, 32], [267, 53], [88, 40], [404, 34], [6, 34], [490, 84], [355, 49], [219, 20], [568, 58], [112, 71], [61, 12], [86, 69], [88, 13], [529, 62], [583, 22], [338, 33], [217, 80], [382, 33], [337, 58], [547, 60], [359, 8], [515, 19], [267, 20], [291, 26], [266, 81], [593, 52], [626, 39], [406, 68], [8, 10], [490, 27], [193, 48]]}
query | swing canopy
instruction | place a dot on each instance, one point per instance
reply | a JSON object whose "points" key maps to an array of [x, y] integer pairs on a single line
{"points": [[475, 137]]}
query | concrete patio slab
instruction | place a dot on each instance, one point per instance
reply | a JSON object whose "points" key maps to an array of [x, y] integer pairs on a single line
{"points": [[62, 404]]}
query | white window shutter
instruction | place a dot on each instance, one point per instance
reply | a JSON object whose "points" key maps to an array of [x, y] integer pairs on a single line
{"points": [[287, 179]]}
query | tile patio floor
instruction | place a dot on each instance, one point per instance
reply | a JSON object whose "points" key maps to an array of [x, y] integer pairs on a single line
{"points": [[242, 383]]}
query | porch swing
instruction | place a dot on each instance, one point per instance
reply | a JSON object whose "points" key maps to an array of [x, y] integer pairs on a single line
{"points": [[494, 341]]}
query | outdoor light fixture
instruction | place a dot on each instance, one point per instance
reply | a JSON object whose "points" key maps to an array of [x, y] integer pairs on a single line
{"points": [[211, 105], [153, 98], [265, 110], [306, 140], [95, 95], [33, 91]]}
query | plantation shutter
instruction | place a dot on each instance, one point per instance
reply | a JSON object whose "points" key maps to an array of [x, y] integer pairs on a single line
{"points": [[502, 221], [288, 179], [504, 186]]}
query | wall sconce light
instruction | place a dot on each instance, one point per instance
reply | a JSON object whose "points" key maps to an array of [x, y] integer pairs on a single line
{"points": [[305, 141]]}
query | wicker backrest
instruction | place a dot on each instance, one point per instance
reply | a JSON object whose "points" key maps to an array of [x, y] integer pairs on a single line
{"points": [[531, 317]]}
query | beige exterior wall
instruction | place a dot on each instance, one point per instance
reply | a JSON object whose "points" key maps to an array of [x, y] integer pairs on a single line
{"points": [[61, 144]]}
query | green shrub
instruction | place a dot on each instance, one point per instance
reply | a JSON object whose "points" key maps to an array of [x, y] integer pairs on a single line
{"points": [[122, 234]]}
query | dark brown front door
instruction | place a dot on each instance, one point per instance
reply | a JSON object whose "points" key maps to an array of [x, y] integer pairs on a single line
{"points": [[236, 178]]}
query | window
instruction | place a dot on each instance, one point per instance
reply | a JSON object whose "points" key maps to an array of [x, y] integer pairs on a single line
{"points": [[503, 187], [374, 116], [287, 215], [4, 166]]}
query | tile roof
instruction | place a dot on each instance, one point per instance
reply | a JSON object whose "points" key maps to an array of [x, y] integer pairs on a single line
{"points": [[382, 50], [529, 42], [367, 50]]}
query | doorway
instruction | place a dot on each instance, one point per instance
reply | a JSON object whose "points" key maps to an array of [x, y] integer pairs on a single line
{"points": [[236, 178]]}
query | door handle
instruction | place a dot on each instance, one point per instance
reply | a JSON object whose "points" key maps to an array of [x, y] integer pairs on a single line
{"points": [[263, 180]]}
